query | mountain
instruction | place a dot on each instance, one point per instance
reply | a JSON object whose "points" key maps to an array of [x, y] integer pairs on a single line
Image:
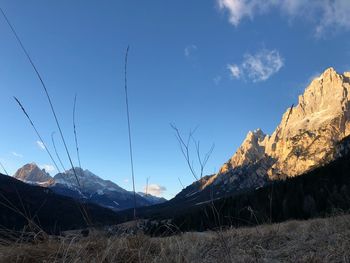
{"points": [[96, 190], [152, 199], [31, 173], [49, 211], [300, 171], [306, 138], [323, 191], [90, 188]]}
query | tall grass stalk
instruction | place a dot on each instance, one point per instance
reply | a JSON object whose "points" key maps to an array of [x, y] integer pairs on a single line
{"points": [[75, 132], [129, 129], [182, 185], [45, 90], [37, 133], [54, 146], [81, 207], [3, 168]]}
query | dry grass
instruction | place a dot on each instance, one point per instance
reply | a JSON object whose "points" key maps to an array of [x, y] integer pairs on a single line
{"points": [[317, 240]]}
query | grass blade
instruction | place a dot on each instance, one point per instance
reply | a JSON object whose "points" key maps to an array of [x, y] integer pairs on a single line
{"points": [[129, 129], [75, 132], [54, 146], [45, 90], [2, 166], [37, 133]]}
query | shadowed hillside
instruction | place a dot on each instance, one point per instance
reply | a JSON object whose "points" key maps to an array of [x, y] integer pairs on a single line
{"points": [[51, 212], [319, 192]]}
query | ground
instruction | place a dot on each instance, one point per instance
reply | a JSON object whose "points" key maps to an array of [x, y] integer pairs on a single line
{"points": [[316, 240]]}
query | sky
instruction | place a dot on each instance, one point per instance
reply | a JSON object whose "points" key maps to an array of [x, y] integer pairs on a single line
{"points": [[222, 67]]}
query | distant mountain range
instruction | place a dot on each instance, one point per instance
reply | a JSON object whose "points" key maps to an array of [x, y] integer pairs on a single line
{"points": [[90, 188]]}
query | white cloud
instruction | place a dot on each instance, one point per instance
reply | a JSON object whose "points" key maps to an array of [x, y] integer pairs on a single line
{"points": [[257, 67], [40, 145], [323, 14], [189, 50], [48, 167], [17, 154], [126, 181], [155, 189], [238, 9], [235, 71], [334, 14], [262, 65]]}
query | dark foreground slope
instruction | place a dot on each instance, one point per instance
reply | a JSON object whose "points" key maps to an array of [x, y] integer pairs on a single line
{"points": [[50, 211], [318, 193], [317, 240]]}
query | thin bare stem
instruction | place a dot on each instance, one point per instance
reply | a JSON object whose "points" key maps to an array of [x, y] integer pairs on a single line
{"points": [[3, 167], [45, 90], [183, 187], [54, 146], [202, 160], [185, 149], [129, 128], [37, 133], [75, 132]]}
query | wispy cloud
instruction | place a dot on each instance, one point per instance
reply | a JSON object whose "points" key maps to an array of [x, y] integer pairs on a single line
{"points": [[40, 144], [189, 50], [17, 154], [48, 167], [239, 9], [257, 67], [155, 189], [322, 14], [234, 70], [126, 181]]}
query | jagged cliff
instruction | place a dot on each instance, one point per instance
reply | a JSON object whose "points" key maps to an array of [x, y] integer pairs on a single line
{"points": [[306, 137], [31, 173]]}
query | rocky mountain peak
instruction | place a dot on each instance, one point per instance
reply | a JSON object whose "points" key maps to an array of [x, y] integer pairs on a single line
{"points": [[251, 150], [308, 132], [305, 138], [323, 100], [255, 136], [32, 173], [88, 181]]}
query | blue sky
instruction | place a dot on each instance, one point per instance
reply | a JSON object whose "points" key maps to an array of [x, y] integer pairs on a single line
{"points": [[226, 66]]}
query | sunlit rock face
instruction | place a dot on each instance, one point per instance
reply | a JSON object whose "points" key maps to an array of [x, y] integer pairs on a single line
{"points": [[306, 137], [251, 150], [308, 133], [31, 173]]}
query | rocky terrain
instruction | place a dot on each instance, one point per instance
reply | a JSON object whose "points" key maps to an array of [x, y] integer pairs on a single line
{"points": [[305, 138], [31, 173]]}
